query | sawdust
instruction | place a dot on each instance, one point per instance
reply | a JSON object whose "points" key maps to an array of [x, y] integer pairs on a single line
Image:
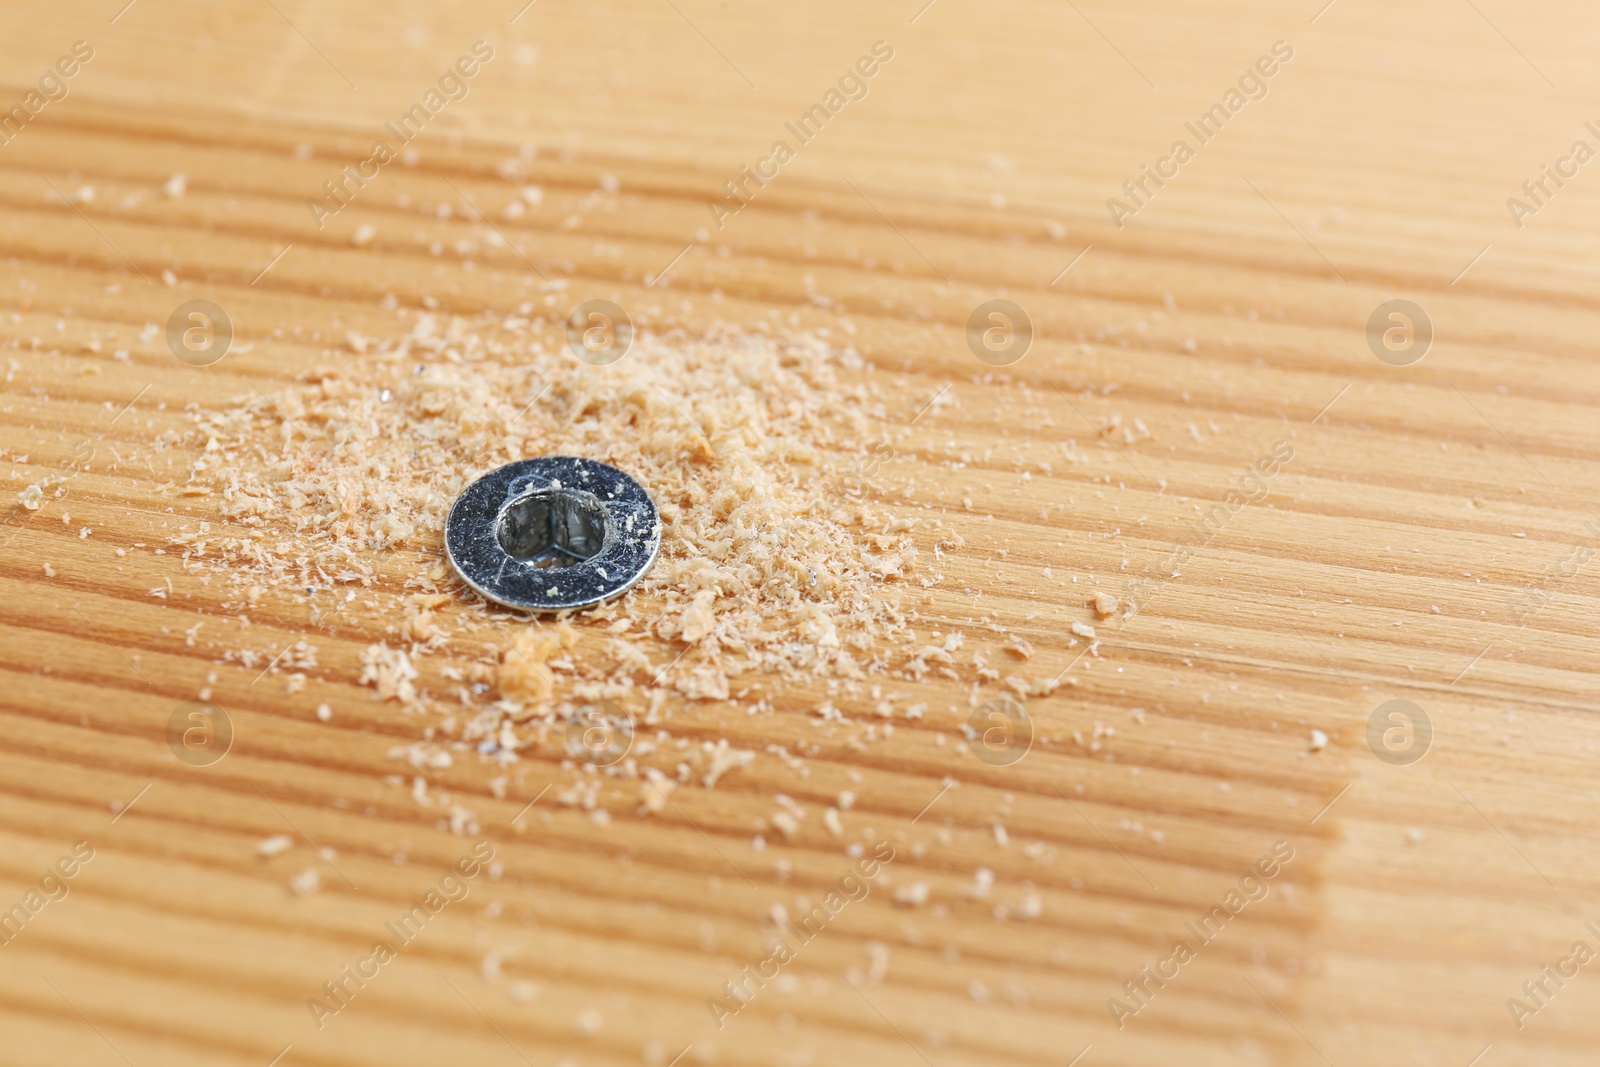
{"points": [[343, 480], [764, 564]]}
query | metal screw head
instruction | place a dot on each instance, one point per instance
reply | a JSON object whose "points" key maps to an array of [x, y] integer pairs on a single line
{"points": [[553, 533]]}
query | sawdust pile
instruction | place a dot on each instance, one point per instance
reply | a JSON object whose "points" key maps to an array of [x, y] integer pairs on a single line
{"points": [[767, 562]]}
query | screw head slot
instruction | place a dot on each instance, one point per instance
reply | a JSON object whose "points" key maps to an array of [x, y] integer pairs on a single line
{"points": [[552, 527], [553, 533]]}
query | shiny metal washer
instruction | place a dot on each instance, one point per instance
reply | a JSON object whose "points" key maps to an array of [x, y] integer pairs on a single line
{"points": [[553, 533]]}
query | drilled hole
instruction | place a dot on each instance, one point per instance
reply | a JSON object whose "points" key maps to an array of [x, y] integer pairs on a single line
{"points": [[552, 527]]}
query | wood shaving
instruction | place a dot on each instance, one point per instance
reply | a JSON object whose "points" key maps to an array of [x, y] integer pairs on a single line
{"points": [[768, 566], [763, 565], [913, 895], [389, 672], [275, 845]]}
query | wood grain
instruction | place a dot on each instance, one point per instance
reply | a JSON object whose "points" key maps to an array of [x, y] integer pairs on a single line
{"points": [[1228, 314]]}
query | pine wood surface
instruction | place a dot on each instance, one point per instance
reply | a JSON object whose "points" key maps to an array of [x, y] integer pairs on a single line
{"points": [[1227, 314]]}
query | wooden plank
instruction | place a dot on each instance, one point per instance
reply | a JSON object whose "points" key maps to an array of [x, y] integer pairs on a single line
{"points": [[1226, 315]]}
